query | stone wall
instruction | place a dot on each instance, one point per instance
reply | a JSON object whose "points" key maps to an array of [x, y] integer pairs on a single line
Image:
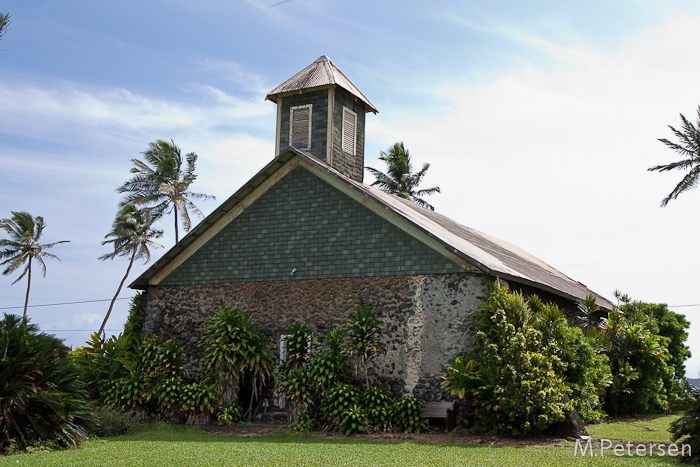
{"points": [[427, 318]]}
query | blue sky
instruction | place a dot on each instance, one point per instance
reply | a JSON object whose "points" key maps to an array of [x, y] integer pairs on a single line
{"points": [[539, 118]]}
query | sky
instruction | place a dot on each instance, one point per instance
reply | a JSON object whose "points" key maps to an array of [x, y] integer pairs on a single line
{"points": [[539, 119]]}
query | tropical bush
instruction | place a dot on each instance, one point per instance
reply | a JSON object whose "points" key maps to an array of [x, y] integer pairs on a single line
{"points": [[407, 415], [646, 347], [364, 337], [517, 377], [339, 400], [304, 421], [330, 366], [113, 422], [233, 349], [378, 407], [198, 401], [43, 398], [686, 429], [230, 414], [292, 375], [531, 367], [353, 420]]}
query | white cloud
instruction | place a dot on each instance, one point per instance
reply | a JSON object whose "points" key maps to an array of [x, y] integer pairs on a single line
{"points": [[554, 160]]}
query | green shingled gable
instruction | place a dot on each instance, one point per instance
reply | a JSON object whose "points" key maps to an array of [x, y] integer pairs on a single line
{"points": [[303, 222]]}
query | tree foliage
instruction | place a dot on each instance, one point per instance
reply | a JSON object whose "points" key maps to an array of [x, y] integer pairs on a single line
{"points": [[42, 396], [233, 348], [131, 236], [530, 368], [23, 247], [4, 23], [364, 337], [688, 147], [162, 185], [687, 428], [400, 180], [646, 347], [529, 362]]}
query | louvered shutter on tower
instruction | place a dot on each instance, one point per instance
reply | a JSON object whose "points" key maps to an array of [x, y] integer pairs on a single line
{"points": [[349, 130], [300, 126]]}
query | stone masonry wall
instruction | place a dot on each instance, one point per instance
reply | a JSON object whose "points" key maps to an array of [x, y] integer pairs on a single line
{"points": [[427, 318]]}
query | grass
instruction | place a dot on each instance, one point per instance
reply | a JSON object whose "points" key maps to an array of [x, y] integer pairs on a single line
{"points": [[179, 446], [649, 429]]}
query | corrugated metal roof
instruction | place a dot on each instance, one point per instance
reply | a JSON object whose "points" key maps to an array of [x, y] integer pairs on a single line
{"points": [[322, 72], [493, 256]]}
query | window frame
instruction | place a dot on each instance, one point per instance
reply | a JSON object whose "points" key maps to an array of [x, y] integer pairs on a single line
{"points": [[291, 125], [346, 112]]}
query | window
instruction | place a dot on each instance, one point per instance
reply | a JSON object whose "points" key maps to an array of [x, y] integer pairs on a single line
{"points": [[300, 126], [349, 131]]}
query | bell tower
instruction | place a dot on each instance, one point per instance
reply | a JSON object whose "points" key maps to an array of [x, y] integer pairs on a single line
{"points": [[320, 112]]}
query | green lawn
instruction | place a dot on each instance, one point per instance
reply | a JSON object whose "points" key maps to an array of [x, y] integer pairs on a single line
{"points": [[652, 429], [179, 446]]}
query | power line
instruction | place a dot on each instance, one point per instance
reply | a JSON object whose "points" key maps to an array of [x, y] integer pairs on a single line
{"points": [[681, 306], [616, 260], [57, 304]]}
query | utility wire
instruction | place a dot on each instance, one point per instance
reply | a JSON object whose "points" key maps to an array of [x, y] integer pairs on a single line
{"points": [[617, 260], [66, 303]]}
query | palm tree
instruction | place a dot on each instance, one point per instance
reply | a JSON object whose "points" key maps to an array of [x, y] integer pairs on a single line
{"points": [[399, 179], [23, 247], [4, 23], [161, 185], [688, 147], [131, 235]]}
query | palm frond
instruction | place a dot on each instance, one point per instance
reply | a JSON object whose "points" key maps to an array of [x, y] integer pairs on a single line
{"points": [[688, 146]]}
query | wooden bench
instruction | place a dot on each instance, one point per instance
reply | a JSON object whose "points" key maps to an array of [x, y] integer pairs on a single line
{"points": [[443, 410]]}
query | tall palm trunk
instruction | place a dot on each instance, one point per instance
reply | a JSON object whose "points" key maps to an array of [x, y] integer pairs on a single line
{"points": [[29, 284], [121, 284], [176, 239]]}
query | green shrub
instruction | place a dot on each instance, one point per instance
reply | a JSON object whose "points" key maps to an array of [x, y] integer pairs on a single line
{"points": [[198, 401], [353, 420], [407, 415], [132, 326], [304, 421], [113, 422], [517, 376], [293, 387], [42, 396], [378, 406], [294, 383], [101, 362], [233, 348], [230, 414], [649, 339], [339, 399], [364, 337], [330, 366], [686, 429]]}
